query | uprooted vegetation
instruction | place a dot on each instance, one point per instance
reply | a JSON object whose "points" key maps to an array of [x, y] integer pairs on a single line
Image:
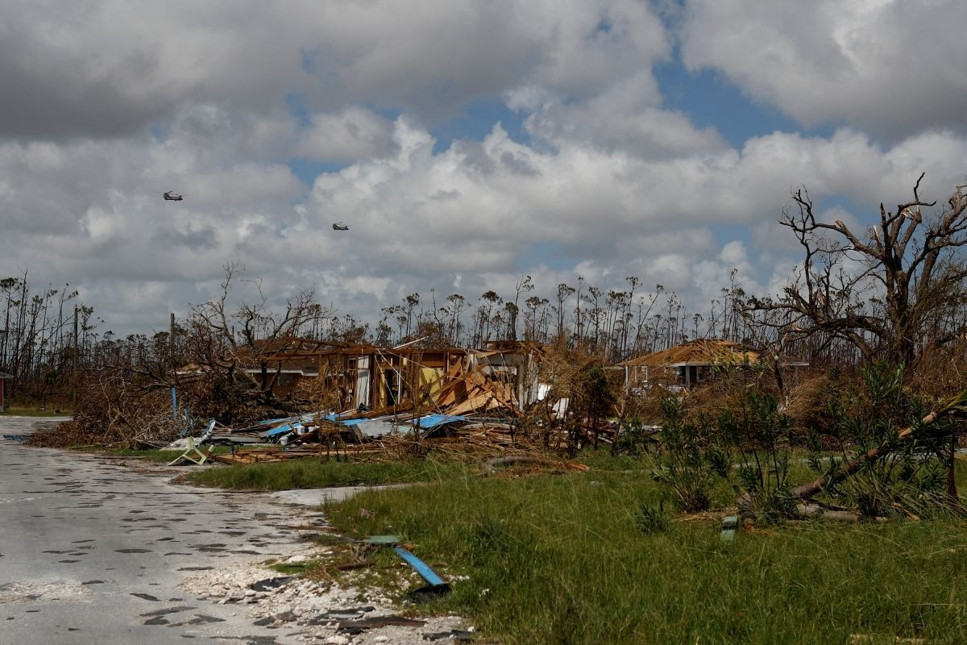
{"points": [[507, 398], [117, 410]]}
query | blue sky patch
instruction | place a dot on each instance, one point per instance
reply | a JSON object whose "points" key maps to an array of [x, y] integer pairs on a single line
{"points": [[477, 122]]}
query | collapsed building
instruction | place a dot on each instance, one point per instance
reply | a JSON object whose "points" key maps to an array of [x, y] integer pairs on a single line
{"points": [[370, 392], [360, 377]]}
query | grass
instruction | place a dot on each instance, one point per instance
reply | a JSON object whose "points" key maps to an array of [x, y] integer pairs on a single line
{"points": [[315, 473], [560, 559], [149, 454], [583, 558]]}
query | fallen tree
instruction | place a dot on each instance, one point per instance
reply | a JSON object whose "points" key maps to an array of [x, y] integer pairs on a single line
{"points": [[956, 406]]}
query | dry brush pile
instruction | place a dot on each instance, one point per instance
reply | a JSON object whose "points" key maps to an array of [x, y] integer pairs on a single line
{"points": [[113, 411]]}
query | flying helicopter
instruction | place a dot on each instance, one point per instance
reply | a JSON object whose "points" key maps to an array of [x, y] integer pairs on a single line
{"points": [[339, 226], [172, 196]]}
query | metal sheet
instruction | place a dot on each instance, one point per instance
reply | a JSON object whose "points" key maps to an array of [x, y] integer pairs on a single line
{"points": [[421, 567]]}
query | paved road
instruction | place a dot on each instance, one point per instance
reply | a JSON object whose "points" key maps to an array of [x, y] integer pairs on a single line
{"points": [[93, 552]]}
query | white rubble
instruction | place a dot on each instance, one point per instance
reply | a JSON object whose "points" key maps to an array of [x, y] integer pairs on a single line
{"points": [[307, 611]]}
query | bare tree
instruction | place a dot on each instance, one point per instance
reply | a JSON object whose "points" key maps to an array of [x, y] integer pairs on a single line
{"points": [[486, 312], [412, 301], [524, 285], [456, 305], [887, 291], [564, 292], [535, 318], [36, 344], [232, 339]]}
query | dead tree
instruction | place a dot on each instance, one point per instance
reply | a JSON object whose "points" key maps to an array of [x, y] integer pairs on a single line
{"points": [[886, 291], [234, 341]]}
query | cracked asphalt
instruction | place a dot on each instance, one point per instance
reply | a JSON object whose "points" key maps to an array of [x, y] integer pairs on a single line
{"points": [[93, 551]]}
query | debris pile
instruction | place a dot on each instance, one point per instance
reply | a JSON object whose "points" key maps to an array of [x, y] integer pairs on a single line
{"points": [[320, 611], [364, 400], [313, 435], [113, 411], [396, 401]]}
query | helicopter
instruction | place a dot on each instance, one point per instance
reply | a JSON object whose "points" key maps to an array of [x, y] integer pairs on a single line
{"points": [[172, 196], [339, 226]]}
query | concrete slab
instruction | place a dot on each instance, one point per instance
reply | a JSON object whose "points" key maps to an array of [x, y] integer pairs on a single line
{"points": [[318, 496]]}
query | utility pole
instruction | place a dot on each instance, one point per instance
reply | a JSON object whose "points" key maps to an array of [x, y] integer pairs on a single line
{"points": [[174, 370], [74, 366]]}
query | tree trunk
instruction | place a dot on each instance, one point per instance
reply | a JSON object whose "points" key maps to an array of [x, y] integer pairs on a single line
{"points": [[806, 491]]}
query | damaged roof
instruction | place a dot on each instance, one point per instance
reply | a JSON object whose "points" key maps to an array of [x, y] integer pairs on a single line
{"points": [[705, 351]]}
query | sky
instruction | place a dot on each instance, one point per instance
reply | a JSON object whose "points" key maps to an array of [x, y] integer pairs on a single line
{"points": [[466, 143]]}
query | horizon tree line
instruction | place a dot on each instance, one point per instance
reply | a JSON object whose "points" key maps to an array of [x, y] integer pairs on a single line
{"points": [[890, 291]]}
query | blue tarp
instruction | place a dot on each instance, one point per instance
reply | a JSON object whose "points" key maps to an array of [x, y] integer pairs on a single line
{"points": [[434, 420], [282, 429], [286, 425], [373, 427], [422, 568]]}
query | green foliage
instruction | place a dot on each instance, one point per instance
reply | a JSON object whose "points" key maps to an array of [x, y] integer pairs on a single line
{"points": [[747, 437], [911, 478], [313, 473], [562, 559], [597, 392], [745, 445], [650, 519], [684, 466], [634, 439], [758, 433], [592, 398]]}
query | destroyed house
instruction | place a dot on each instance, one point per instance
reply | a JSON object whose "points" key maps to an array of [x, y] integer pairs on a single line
{"points": [[362, 376], [692, 363], [501, 377], [281, 377], [366, 377]]}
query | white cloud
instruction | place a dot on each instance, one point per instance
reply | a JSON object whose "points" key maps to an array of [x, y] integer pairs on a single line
{"points": [[891, 66], [644, 131], [418, 217], [109, 104], [106, 67], [350, 135]]}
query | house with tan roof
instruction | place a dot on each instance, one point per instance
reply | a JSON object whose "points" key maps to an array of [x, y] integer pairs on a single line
{"points": [[694, 362]]}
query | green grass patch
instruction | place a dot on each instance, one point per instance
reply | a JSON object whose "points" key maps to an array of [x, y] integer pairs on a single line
{"points": [[147, 454], [315, 473], [563, 559]]}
